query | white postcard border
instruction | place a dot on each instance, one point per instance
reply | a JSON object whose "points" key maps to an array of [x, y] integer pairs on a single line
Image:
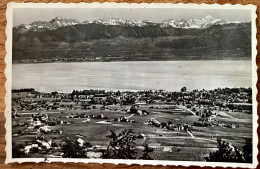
{"points": [[8, 84]]}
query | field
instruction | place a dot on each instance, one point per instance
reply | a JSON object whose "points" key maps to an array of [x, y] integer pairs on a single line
{"points": [[167, 144]]}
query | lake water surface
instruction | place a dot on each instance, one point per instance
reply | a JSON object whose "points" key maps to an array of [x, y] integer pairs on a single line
{"points": [[138, 75]]}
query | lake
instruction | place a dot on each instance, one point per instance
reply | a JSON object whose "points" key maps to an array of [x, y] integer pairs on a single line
{"points": [[137, 75]]}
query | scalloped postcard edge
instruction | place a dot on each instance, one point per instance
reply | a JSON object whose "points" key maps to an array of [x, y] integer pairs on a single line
{"points": [[8, 84]]}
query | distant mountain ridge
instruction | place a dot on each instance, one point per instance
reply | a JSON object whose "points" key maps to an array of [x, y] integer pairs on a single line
{"points": [[44, 25], [175, 23], [68, 40]]}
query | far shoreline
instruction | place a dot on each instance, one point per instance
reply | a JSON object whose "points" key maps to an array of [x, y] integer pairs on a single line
{"points": [[129, 90], [120, 61]]}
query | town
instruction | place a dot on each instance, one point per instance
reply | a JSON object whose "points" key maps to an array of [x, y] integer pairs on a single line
{"points": [[174, 124]]}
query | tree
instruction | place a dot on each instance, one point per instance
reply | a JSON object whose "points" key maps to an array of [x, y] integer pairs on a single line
{"points": [[184, 89], [247, 149], [146, 153], [17, 151], [72, 149], [129, 100], [134, 110], [170, 122], [122, 145], [110, 101], [228, 153]]}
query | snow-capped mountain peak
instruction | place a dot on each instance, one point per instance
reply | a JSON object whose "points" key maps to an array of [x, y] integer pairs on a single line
{"points": [[178, 23], [134, 23], [209, 21], [51, 25], [115, 21], [208, 18], [193, 23], [86, 22], [100, 21], [58, 22]]}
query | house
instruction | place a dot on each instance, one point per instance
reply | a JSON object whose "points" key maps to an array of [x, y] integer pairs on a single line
{"points": [[45, 129], [141, 102], [37, 123], [43, 143], [81, 142], [27, 149]]}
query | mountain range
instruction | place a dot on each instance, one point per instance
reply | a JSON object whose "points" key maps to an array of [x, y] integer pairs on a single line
{"points": [[65, 40], [175, 23]]}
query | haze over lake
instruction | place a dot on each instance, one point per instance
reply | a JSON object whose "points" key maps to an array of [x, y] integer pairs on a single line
{"points": [[137, 75]]}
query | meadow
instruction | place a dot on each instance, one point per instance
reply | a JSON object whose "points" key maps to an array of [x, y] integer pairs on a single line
{"points": [[167, 144]]}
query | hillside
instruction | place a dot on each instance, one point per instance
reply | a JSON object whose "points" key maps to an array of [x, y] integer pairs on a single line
{"points": [[116, 42]]}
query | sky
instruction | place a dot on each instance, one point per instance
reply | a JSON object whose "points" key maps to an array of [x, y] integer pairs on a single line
{"points": [[29, 15]]}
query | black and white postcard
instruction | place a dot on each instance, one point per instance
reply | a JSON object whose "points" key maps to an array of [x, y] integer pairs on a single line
{"points": [[158, 84]]}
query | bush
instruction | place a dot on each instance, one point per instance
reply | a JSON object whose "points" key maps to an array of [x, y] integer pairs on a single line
{"points": [[17, 151], [228, 153], [122, 145], [146, 153], [72, 149]]}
